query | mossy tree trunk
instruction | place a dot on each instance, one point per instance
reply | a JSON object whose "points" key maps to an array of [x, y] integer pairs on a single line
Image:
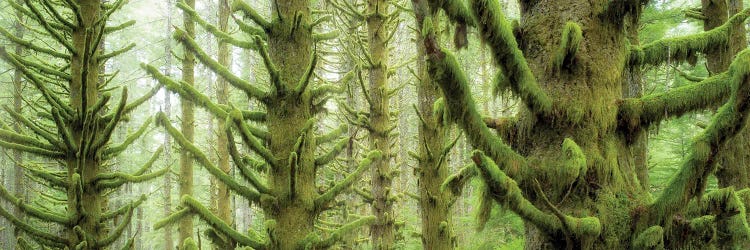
{"points": [[18, 176], [80, 138], [435, 202], [287, 146], [734, 166], [568, 170], [187, 124], [381, 175], [222, 95]]}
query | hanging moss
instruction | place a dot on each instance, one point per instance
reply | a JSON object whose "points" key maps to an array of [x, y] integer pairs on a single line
{"points": [[566, 52], [651, 238], [691, 180], [506, 192]]}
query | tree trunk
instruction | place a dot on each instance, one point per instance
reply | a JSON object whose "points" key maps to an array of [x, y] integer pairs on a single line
{"points": [[734, 169], [290, 48], [187, 125], [167, 157], [434, 202], [222, 95], [383, 230], [18, 176]]}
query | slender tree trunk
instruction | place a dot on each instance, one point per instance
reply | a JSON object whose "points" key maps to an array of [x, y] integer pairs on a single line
{"points": [[222, 96], [382, 231], [434, 202], [167, 157], [187, 125], [18, 177]]}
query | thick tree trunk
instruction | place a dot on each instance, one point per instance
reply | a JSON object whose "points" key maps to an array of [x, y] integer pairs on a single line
{"points": [[734, 169], [83, 95], [383, 230], [290, 48], [187, 125]]}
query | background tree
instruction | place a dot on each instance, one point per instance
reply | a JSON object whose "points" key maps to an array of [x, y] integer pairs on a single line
{"points": [[72, 128], [292, 100]]}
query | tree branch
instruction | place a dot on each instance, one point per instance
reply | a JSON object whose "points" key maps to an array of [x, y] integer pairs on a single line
{"points": [[334, 191]]}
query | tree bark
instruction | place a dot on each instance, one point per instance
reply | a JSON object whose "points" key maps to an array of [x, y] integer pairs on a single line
{"points": [[187, 125], [381, 174]]}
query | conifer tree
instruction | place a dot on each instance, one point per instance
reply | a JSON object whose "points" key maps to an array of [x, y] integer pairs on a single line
{"points": [[72, 128], [285, 150], [563, 163]]}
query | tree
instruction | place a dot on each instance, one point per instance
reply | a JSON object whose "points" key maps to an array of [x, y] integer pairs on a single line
{"points": [[286, 149], [72, 127], [435, 202], [563, 163], [187, 123]]}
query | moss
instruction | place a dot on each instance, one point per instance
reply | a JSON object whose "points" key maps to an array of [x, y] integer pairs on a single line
{"points": [[682, 48], [189, 244], [642, 112], [651, 238], [506, 192], [691, 180], [574, 160], [571, 39], [498, 34]]}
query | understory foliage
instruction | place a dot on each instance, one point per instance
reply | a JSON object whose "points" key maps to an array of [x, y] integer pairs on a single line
{"points": [[569, 172], [280, 173], [71, 127]]}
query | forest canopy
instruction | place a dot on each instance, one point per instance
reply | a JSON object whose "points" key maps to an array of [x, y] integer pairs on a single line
{"points": [[374, 124]]}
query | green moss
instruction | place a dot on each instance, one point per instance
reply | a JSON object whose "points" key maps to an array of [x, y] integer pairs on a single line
{"points": [[651, 238], [682, 48], [691, 179], [498, 34], [571, 39]]}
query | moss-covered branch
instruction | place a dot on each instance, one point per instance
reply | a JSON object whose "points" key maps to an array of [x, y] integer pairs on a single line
{"points": [[681, 48], [29, 45], [217, 224], [124, 209], [117, 232], [498, 34], [186, 91], [225, 37], [117, 149], [242, 166], [221, 70], [119, 27], [116, 179], [331, 154], [333, 135], [249, 12], [445, 70], [104, 57], [635, 113], [248, 138], [505, 191], [334, 191], [32, 210], [31, 230], [692, 177], [242, 190], [337, 234]]}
